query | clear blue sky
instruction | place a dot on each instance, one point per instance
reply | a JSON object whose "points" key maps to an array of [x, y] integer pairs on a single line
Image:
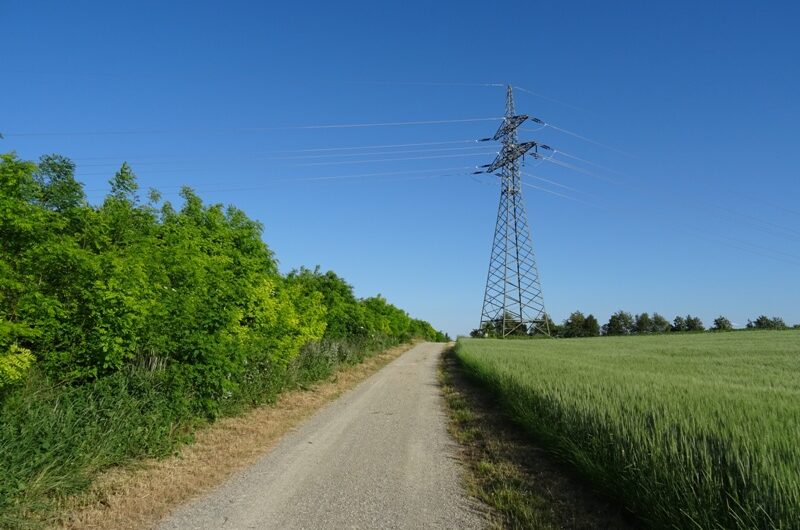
{"points": [[700, 213]]}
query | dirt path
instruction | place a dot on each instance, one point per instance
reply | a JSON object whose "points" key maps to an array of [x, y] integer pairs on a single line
{"points": [[378, 457]]}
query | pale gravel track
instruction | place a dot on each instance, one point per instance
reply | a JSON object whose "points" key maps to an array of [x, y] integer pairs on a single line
{"points": [[377, 457]]}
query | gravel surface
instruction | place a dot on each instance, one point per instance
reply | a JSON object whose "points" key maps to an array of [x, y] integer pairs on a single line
{"points": [[378, 457]]}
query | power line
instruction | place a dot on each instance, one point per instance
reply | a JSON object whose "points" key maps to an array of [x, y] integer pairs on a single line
{"points": [[555, 193], [313, 164], [430, 83], [579, 136], [589, 162], [456, 171], [580, 170], [364, 147], [337, 177], [554, 183], [716, 239], [586, 139], [302, 157], [786, 231], [765, 252], [376, 153], [542, 96], [403, 159], [288, 151], [253, 129], [389, 173]]}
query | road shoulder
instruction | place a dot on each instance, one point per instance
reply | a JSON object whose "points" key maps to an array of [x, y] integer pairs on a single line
{"points": [[138, 497]]}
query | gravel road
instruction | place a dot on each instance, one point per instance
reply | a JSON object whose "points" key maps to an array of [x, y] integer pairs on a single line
{"points": [[377, 457]]}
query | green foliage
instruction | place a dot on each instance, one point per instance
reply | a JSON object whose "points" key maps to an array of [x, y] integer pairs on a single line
{"points": [[688, 323], [509, 326], [345, 316], [694, 324], [642, 323], [591, 327], [679, 324], [573, 325], [659, 324], [686, 430], [764, 322], [124, 185], [14, 365], [348, 317], [620, 323], [54, 439], [57, 188], [722, 324], [578, 325], [150, 318]]}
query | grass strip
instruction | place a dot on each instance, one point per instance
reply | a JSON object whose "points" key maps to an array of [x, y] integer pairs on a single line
{"points": [[114, 454], [523, 486]]}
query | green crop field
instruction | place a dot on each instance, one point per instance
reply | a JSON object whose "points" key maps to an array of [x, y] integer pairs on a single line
{"points": [[687, 431]]}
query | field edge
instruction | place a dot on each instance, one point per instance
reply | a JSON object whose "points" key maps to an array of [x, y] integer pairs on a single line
{"points": [[522, 485]]}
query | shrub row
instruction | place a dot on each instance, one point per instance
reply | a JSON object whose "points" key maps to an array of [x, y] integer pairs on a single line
{"points": [[125, 324]]}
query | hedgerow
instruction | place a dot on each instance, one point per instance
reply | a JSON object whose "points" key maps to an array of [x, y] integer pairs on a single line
{"points": [[129, 320]]}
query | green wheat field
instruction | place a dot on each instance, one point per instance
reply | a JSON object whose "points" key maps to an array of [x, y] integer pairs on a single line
{"points": [[687, 431]]}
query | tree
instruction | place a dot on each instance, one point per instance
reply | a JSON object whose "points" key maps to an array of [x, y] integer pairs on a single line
{"points": [[345, 317], [764, 322], [659, 324], [722, 324], [124, 185], [573, 326], [778, 323], [643, 324], [514, 328], [547, 324], [694, 324], [58, 189], [591, 327], [679, 324], [620, 323]]}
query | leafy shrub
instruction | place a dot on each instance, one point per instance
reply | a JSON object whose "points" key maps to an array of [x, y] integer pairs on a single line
{"points": [[14, 365], [141, 320]]}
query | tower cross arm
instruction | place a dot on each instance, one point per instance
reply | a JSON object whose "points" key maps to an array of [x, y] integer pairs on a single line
{"points": [[510, 153], [508, 126]]}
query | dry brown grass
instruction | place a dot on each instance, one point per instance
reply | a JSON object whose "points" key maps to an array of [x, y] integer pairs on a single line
{"points": [[137, 498]]}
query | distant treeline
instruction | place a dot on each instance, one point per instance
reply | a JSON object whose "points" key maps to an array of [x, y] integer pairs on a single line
{"points": [[623, 323]]}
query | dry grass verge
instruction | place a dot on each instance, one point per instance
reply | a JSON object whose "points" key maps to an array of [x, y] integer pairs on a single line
{"points": [[137, 498], [522, 484]]}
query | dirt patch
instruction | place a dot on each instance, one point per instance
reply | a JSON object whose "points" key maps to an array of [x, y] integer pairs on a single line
{"points": [[138, 498], [524, 486]]}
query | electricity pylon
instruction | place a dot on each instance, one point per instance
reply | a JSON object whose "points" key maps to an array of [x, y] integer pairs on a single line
{"points": [[513, 302]]}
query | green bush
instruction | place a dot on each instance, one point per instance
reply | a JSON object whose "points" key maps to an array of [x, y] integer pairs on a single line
{"points": [[126, 324], [14, 365]]}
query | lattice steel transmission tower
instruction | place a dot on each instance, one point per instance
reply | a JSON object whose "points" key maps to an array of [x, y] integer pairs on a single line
{"points": [[513, 302]]}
